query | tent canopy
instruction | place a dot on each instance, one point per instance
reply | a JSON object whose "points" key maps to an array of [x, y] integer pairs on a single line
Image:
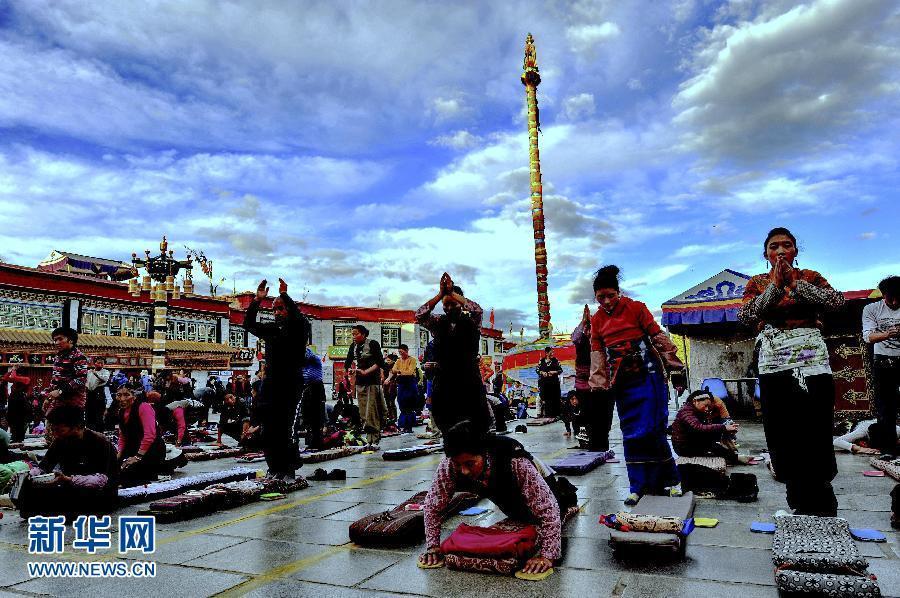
{"points": [[715, 300]]}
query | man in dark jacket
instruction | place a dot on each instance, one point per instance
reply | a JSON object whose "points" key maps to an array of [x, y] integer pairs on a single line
{"points": [[457, 391], [286, 340], [84, 468]]}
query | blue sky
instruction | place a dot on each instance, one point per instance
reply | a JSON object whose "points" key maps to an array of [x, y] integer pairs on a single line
{"points": [[360, 149]]}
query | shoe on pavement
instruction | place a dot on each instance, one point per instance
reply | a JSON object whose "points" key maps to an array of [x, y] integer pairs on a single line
{"points": [[632, 499]]}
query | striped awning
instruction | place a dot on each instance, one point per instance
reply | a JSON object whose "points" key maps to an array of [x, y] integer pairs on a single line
{"points": [[41, 338]]}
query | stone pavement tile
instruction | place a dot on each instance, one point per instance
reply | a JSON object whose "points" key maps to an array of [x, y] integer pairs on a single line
{"points": [[13, 529], [182, 551], [290, 588], [170, 580], [871, 519], [867, 503], [602, 506], [406, 577], [585, 526], [733, 512], [319, 508], [289, 529], [256, 556], [411, 484], [13, 567], [730, 534], [888, 573], [655, 586], [386, 497], [349, 567], [585, 553], [739, 565], [358, 511], [874, 550]]}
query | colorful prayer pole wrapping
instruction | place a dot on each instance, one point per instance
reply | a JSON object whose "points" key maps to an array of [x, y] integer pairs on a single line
{"points": [[531, 78]]}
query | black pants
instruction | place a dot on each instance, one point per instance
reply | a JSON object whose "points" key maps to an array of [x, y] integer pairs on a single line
{"points": [[147, 469], [459, 395], [887, 402], [798, 425], [312, 409], [18, 414], [95, 410], [278, 418], [597, 407]]}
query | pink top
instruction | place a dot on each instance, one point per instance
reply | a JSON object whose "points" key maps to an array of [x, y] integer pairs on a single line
{"points": [[148, 421], [178, 415], [532, 486]]}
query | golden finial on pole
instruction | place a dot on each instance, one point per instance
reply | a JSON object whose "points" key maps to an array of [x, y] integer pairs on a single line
{"points": [[531, 78]]}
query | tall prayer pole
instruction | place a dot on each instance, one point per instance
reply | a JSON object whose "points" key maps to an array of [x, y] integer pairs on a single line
{"points": [[531, 78]]}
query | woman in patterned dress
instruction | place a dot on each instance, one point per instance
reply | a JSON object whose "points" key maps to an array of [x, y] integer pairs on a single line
{"points": [[785, 307]]}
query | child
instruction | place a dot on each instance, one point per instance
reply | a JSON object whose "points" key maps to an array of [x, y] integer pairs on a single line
{"points": [[571, 413]]}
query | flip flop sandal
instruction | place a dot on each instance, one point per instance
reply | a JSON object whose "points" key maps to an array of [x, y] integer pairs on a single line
{"points": [[534, 576], [422, 565]]}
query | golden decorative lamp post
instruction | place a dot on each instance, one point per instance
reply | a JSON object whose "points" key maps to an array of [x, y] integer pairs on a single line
{"points": [[531, 78], [162, 269]]}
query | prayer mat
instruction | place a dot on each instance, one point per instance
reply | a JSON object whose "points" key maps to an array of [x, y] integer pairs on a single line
{"points": [[329, 454], [217, 497], [681, 507], [817, 555], [703, 474], [215, 454], [252, 458], [411, 452], [158, 490], [581, 463], [891, 468], [501, 548], [399, 526], [541, 421]]}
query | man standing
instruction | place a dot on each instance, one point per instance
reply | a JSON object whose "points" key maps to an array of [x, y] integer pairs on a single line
{"points": [[97, 390], [18, 405], [369, 362], [403, 376], [68, 381], [549, 372], [285, 340], [312, 403], [597, 405], [881, 327], [457, 391], [498, 380]]}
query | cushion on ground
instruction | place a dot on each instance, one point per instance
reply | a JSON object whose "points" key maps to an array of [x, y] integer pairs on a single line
{"points": [[329, 454], [702, 474], [815, 544], [659, 506], [410, 452], [581, 463], [503, 564], [891, 468], [826, 584], [157, 490], [399, 526], [216, 454], [541, 421]]}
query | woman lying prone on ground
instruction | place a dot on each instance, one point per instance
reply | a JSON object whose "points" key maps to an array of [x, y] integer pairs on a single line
{"points": [[500, 469]]}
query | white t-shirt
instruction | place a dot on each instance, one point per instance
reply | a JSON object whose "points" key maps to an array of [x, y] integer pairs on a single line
{"points": [[878, 317]]}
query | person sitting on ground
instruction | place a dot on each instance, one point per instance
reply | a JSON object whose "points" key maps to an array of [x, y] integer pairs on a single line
{"points": [[694, 436], [84, 468], [141, 450], [571, 413], [500, 469], [863, 439], [234, 420]]}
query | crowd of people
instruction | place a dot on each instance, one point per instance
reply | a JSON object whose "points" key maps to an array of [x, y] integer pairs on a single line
{"points": [[624, 361]]}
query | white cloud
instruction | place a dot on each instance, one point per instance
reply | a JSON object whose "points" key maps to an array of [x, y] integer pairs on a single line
{"points": [[584, 39], [795, 81], [712, 249], [458, 140], [579, 106]]}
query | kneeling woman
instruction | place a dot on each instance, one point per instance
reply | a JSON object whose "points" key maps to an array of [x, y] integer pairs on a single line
{"points": [[500, 469], [141, 450], [630, 357], [696, 434]]}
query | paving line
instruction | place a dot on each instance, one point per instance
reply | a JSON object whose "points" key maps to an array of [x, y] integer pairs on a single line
{"points": [[276, 573]]}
